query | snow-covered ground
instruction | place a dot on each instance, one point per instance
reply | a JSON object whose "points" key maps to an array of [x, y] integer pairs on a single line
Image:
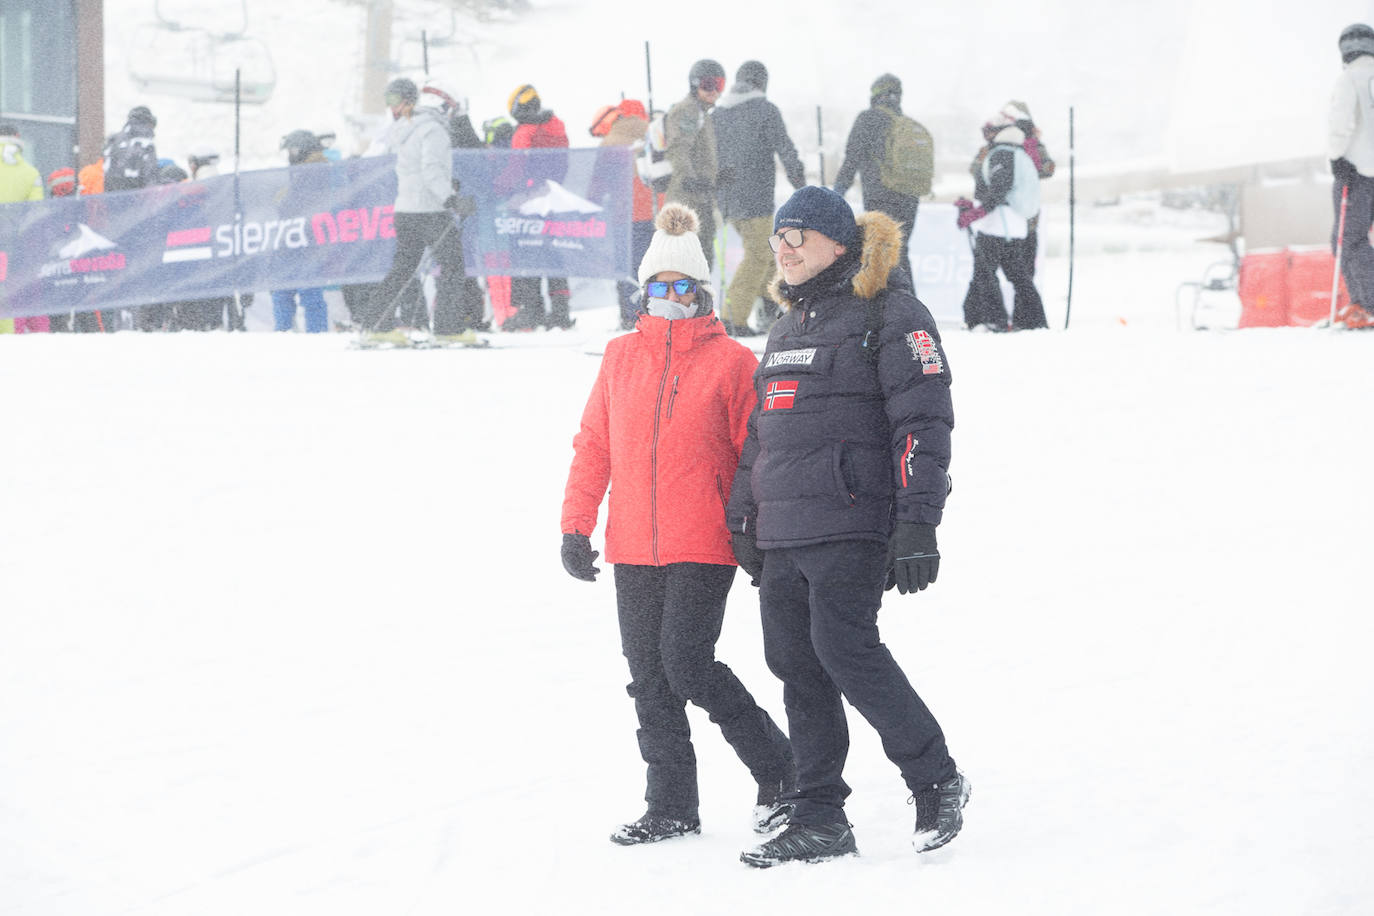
{"points": [[284, 630], [283, 627]]}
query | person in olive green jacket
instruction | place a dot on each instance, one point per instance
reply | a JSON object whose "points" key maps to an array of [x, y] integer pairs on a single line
{"points": [[691, 148]]}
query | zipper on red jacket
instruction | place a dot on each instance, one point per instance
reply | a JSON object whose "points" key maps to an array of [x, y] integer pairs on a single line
{"points": [[672, 398], [653, 446]]}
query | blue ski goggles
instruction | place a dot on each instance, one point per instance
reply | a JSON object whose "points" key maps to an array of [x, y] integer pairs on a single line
{"points": [[658, 289]]}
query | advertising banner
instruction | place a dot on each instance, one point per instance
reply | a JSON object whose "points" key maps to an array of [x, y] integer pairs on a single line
{"points": [[535, 213]]}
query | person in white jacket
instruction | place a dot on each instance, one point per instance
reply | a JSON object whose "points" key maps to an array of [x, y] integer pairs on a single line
{"points": [[426, 202], [1007, 188], [1350, 146]]}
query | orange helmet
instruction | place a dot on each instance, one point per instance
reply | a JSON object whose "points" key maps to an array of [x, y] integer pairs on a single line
{"points": [[606, 115]]}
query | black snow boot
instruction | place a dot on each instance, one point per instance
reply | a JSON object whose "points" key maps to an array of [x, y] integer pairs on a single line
{"points": [[771, 810], [653, 827], [940, 812], [803, 843]]}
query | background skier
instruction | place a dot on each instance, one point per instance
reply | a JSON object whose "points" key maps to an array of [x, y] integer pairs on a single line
{"points": [[1350, 145], [749, 134], [894, 158], [1007, 188], [538, 128], [424, 208], [691, 148]]}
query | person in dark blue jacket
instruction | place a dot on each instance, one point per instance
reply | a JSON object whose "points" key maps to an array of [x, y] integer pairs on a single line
{"points": [[749, 134], [839, 490]]}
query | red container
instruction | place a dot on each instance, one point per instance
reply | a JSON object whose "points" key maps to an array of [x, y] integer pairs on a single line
{"points": [[1309, 287], [1263, 288]]}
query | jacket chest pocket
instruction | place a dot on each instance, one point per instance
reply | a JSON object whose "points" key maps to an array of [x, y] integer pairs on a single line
{"points": [[788, 377]]}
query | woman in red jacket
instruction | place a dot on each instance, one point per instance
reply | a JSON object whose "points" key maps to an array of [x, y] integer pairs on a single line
{"points": [[664, 426]]}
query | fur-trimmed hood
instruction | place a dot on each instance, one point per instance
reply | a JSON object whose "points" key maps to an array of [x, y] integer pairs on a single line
{"points": [[880, 241]]}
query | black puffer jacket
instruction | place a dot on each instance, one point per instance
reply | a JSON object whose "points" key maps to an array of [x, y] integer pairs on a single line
{"points": [[841, 445]]}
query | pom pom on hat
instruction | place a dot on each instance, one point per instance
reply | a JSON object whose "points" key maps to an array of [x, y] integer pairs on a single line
{"points": [[675, 246]]}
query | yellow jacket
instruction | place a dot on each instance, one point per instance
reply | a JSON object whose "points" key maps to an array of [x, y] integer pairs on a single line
{"points": [[18, 180]]}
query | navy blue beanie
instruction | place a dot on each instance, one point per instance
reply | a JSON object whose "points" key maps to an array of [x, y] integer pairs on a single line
{"points": [[822, 209]]}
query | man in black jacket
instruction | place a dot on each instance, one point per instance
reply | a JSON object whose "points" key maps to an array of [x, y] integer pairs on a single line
{"points": [[749, 133], [840, 487], [865, 153], [131, 154]]}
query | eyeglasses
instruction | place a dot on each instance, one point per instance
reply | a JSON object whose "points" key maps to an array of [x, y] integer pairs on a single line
{"points": [[793, 238], [393, 99], [658, 289], [711, 84]]}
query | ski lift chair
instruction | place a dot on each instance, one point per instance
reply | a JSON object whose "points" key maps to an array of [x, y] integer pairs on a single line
{"points": [[195, 64]]}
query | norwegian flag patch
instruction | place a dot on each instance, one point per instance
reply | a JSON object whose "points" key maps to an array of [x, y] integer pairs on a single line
{"points": [[923, 349], [779, 395]]}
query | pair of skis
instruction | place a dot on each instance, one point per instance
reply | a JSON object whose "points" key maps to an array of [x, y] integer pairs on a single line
{"points": [[419, 340]]}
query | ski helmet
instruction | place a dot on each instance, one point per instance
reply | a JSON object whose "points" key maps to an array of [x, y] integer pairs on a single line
{"points": [[140, 114], [401, 91], [299, 144], [1355, 40], [524, 103], [498, 131], [439, 100], [706, 70]]}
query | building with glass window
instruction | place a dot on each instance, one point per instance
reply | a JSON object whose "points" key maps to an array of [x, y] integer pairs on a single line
{"points": [[52, 80]]}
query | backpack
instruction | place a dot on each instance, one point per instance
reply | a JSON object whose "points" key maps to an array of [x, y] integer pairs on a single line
{"points": [[130, 162], [908, 162], [651, 161]]}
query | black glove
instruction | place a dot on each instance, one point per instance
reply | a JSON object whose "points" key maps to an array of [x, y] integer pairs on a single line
{"points": [[460, 204], [578, 556], [1343, 170], [748, 555], [912, 557]]}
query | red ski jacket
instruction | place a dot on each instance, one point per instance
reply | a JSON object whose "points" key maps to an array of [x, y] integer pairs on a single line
{"points": [[547, 134], [664, 426]]}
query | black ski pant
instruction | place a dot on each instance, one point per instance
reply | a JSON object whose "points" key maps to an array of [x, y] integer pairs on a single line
{"points": [[527, 297], [820, 637], [414, 233], [902, 209], [1357, 257], [983, 303], [670, 620]]}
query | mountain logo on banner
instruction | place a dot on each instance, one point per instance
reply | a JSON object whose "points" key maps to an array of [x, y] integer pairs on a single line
{"points": [[86, 241], [84, 259], [554, 198]]}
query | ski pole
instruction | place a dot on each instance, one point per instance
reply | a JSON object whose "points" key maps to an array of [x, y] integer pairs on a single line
{"points": [[1068, 299], [236, 318], [390, 309], [820, 143], [649, 79], [1340, 243]]}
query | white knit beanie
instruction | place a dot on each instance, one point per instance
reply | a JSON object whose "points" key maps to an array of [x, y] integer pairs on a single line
{"points": [[675, 246]]}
